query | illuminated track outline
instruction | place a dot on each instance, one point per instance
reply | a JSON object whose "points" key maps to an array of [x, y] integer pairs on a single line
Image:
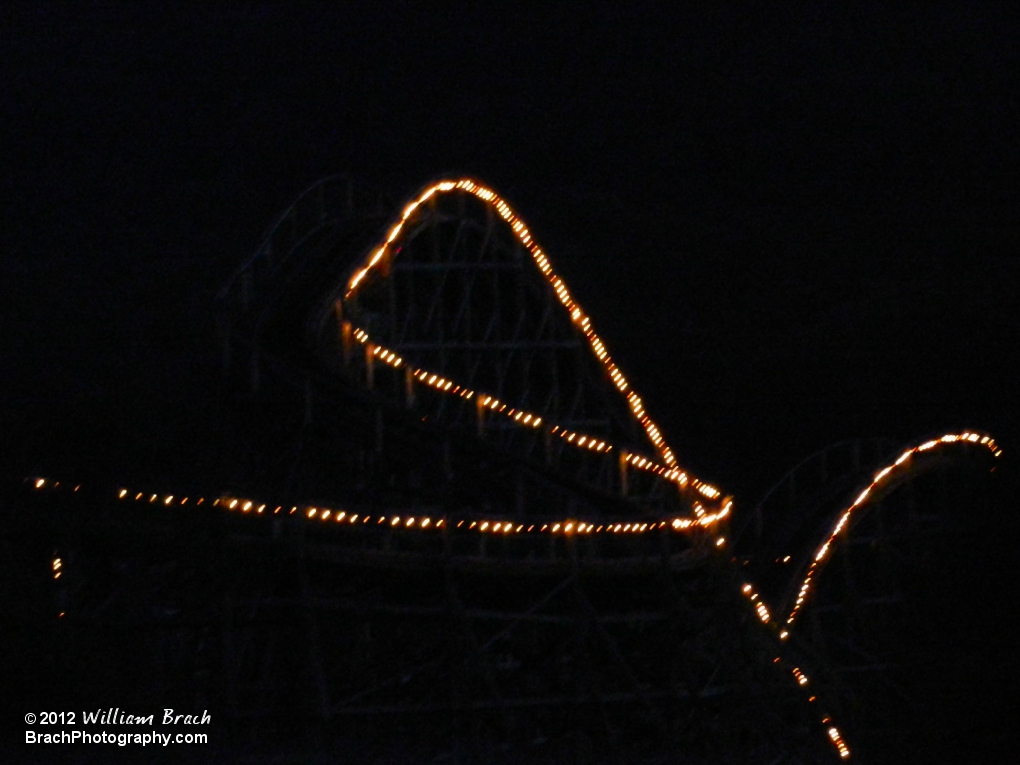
{"points": [[893, 469], [671, 470], [530, 419], [321, 513], [821, 554], [330, 516]]}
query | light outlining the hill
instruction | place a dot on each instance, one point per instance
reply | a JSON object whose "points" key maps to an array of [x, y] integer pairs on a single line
{"points": [[882, 476], [670, 470], [821, 554]]}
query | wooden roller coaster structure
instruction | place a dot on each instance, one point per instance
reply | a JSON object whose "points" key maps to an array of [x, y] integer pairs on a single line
{"points": [[452, 533]]}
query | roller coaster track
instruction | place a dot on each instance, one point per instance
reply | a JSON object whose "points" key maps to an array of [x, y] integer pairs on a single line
{"points": [[506, 353], [830, 527], [453, 335], [886, 478], [815, 525]]}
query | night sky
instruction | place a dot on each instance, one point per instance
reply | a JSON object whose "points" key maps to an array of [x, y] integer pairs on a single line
{"points": [[789, 228]]}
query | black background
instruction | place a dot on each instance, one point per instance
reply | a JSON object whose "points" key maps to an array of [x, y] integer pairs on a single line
{"points": [[790, 227]]}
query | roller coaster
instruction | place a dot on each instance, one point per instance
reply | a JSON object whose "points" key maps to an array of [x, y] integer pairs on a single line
{"points": [[453, 533]]}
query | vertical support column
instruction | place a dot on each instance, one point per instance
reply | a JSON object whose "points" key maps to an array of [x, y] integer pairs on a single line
{"points": [[480, 417], [369, 367], [346, 338], [408, 388], [624, 487]]}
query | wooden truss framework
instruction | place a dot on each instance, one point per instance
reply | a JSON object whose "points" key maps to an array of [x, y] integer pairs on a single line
{"points": [[461, 296], [458, 295]]}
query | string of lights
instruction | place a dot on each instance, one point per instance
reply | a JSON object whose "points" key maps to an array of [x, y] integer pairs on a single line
{"points": [[885, 474], [530, 419], [665, 467], [671, 469], [840, 744], [564, 527], [332, 516], [803, 681], [328, 515], [759, 605], [798, 674], [420, 522]]}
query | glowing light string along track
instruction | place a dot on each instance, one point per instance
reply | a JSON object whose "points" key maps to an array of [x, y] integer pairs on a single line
{"points": [[900, 466], [837, 740], [803, 681], [529, 419], [331, 516], [410, 521], [759, 604], [882, 476], [671, 469]]}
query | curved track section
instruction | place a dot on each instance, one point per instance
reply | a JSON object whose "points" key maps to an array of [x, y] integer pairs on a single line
{"points": [[454, 329], [414, 639], [771, 538], [910, 463], [446, 296], [506, 550], [848, 636]]}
